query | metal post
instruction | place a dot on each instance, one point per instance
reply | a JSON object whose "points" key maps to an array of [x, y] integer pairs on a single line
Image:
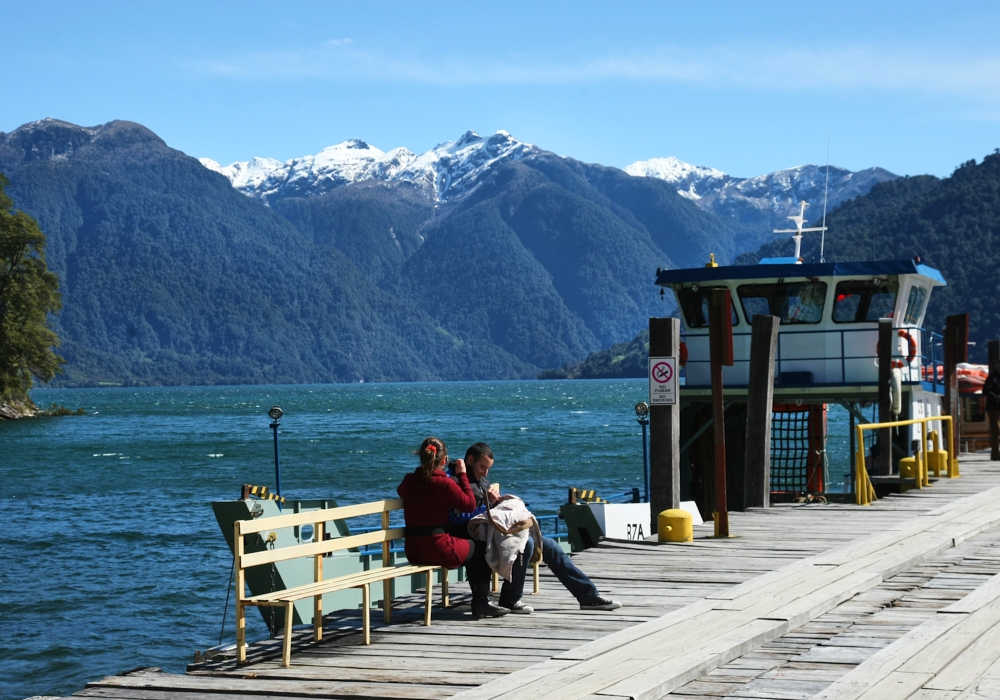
{"points": [[276, 414], [645, 458], [277, 462]]}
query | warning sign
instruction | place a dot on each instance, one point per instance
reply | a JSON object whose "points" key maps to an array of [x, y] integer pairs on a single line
{"points": [[662, 381]]}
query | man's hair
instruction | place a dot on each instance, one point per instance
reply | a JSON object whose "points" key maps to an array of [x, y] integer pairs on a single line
{"points": [[478, 450]]}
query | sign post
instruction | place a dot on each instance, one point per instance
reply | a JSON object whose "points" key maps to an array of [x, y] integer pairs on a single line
{"points": [[664, 420], [662, 381]]}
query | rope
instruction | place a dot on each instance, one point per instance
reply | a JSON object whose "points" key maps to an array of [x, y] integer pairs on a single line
{"points": [[225, 610]]}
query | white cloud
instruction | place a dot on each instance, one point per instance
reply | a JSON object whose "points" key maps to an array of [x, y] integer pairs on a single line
{"points": [[751, 67]]}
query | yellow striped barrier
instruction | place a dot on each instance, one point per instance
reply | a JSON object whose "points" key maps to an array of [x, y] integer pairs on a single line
{"points": [[864, 492], [261, 492]]}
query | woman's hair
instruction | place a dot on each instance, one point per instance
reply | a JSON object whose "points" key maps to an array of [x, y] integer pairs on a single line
{"points": [[433, 454]]}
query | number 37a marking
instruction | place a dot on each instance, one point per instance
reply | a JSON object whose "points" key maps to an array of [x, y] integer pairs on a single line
{"points": [[634, 531]]}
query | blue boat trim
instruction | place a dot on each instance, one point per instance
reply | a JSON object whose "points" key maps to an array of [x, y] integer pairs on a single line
{"points": [[836, 269]]}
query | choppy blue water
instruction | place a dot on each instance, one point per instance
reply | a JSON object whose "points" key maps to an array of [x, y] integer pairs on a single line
{"points": [[112, 559]]}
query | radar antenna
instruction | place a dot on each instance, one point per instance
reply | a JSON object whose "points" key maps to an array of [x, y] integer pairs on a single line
{"points": [[798, 230]]}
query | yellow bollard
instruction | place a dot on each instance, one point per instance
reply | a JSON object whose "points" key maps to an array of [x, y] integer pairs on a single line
{"points": [[674, 525], [908, 469], [938, 457]]}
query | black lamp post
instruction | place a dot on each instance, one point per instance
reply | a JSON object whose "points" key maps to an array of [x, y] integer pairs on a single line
{"points": [[276, 414], [642, 413]]}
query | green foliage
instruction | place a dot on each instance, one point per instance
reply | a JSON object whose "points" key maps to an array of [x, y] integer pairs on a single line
{"points": [[621, 360], [57, 409], [28, 293]]}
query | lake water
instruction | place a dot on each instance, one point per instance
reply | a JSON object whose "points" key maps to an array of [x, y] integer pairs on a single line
{"points": [[112, 558]]}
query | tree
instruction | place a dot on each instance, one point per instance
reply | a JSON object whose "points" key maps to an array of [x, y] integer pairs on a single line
{"points": [[29, 292]]}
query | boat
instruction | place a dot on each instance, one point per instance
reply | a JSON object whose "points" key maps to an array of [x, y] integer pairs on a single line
{"points": [[827, 353]]}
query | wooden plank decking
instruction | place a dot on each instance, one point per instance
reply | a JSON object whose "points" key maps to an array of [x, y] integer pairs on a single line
{"points": [[693, 614]]}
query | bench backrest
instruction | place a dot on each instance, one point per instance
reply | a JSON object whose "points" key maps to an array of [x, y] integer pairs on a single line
{"points": [[318, 546]]}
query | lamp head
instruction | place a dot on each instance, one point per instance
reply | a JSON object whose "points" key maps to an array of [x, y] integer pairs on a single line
{"points": [[642, 409], [275, 413]]}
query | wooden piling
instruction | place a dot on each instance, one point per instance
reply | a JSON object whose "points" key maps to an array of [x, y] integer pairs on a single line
{"points": [[760, 395], [956, 349], [886, 342], [720, 330], [664, 428]]}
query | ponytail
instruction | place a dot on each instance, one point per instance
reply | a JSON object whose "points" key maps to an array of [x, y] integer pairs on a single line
{"points": [[433, 454]]}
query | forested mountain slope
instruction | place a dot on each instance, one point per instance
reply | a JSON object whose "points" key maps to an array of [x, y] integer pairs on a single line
{"points": [[169, 276]]}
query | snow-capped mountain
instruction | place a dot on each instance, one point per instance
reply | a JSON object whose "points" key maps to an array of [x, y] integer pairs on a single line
{"points": [[446, 170], [763, 202], [691, 180]]}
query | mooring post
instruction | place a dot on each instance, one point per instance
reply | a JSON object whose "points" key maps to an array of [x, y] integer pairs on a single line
{"points": [[720, 332], [886, 341], [664, 428], [956, 349], [760, 396]]}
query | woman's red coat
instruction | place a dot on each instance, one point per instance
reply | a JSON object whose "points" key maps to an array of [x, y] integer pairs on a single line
{"points": [[428, 502]]}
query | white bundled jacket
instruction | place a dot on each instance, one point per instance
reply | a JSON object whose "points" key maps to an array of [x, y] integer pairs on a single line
{"points": [[505, 528]]}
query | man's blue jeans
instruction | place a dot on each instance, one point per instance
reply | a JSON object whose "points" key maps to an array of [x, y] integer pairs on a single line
{"points": [[575, 581]]}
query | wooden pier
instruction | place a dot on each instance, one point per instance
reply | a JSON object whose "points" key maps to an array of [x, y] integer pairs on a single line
{"points": [[894, 600]]}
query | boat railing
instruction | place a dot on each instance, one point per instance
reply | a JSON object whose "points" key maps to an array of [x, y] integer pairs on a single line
{"points": [[928, 367]]}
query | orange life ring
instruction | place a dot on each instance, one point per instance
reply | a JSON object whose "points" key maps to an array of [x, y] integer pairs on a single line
{"points": [[903, 333], [911, 349], [684, 353]]}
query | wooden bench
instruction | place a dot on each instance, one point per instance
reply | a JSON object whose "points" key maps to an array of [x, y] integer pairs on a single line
{"points": [[316, 549]]}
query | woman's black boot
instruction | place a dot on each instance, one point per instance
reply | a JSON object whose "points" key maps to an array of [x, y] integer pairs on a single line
{"points": [[482, 606]]}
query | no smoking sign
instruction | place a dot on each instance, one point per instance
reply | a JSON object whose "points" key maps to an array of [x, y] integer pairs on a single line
{"points": [[662, 381]]}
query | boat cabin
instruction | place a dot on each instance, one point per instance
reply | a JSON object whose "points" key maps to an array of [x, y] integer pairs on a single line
{"points": [[829, 314]]}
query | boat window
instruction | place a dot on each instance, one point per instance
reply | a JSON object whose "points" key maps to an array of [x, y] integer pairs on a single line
{"points": [[859, 301], [914, 304], [792, 302], [694, 304]]}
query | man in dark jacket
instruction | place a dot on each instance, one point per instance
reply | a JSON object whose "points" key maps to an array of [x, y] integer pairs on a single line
{"points": [[479, 460], [991, 390]]}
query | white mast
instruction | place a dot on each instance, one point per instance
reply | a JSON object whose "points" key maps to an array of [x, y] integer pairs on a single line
{"points": [[798, 230]]}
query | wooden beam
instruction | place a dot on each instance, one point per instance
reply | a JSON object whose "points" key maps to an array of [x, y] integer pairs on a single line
{"points": [[664, 428], [760, 396], [720, 330], [886, 342]]}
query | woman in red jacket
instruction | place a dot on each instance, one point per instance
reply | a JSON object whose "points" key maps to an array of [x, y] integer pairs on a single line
{"points": [[428, 495]]}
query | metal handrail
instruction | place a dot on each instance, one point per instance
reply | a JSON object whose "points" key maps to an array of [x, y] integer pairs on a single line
{"points": [[864, 492]]}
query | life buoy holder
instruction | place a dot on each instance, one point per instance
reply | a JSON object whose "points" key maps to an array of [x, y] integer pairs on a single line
{"points": [[684, 354], [911, 349]]}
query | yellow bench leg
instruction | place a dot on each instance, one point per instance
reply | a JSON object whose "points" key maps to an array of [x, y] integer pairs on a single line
{"points": [[535, 577], [496, 582], [427, 601], [445, 601], [318, 618], [366, 601], [241, 633], [286, 652], [387, 601]]}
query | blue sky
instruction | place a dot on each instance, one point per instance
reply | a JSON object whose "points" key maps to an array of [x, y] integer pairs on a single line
{"points": [[745, 87]]}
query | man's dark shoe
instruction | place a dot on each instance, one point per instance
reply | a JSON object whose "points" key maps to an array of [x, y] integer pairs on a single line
{"points": [[487, 608], [599, 603]]}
